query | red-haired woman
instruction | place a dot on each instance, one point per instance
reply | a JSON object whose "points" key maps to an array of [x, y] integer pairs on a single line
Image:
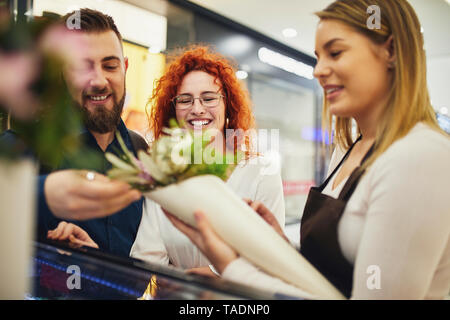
{"points": [[200, 90]]}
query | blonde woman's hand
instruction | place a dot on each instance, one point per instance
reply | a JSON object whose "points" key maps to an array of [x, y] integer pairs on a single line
{"points": [[218, 252], [268, 216]]}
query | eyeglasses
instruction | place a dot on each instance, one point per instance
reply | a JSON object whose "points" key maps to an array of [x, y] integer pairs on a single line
{"points": [[207, 99]]}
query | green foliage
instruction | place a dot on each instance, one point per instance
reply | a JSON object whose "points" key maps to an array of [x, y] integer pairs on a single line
{"points": [[219, 170], [54, 133]]}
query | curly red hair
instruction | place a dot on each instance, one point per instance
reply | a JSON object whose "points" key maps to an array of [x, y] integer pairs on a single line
{"points": [[238, 111]]}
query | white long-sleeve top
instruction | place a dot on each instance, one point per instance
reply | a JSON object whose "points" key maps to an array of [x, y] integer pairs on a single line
{"points": [[158, 241], [395, 229]]}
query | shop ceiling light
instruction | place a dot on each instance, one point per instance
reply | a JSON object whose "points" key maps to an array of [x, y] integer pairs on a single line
{"points": [[241, 74], [285, 63], [289, 33]]}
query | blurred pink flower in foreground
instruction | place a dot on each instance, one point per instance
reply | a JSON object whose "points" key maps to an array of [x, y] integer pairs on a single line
{"points": [[66, 44], [20, 69]]}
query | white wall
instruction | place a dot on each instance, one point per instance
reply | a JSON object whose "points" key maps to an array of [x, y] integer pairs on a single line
{"points": [[434, 15], [439, 82], [135, 24]]}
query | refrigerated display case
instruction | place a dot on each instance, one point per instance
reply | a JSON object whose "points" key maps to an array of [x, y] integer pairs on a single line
{"points": [[63, 272]]}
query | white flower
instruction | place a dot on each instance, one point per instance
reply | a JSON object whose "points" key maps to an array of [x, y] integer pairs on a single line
{"points": [[152, 167], [172, 153], [170, 156]]}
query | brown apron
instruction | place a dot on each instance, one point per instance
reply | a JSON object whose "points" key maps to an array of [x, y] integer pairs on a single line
{"points": [[318, 232]]}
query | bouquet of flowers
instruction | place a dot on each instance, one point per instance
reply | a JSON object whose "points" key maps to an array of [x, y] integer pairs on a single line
{"points": [[170, 176], [174, 157]]}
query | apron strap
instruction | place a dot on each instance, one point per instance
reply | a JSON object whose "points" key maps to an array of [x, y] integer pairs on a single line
{"points": [[323, 185], [353, 180]]}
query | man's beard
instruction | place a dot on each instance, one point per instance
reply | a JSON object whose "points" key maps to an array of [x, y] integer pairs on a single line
{"points": [[102, 120]]}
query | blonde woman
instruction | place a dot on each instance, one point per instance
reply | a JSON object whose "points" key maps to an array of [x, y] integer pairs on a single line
{"points": [[378, 227]]}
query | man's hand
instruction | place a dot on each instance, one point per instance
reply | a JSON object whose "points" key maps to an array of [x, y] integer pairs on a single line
{"points": [[70, 195], [218, 252], [73, 233]]}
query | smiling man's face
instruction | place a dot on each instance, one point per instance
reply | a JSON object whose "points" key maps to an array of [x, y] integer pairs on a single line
{"points": [[96, 81]]}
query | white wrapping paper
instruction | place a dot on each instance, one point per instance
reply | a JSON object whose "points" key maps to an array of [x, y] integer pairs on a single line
{"points": [[244, 230]]}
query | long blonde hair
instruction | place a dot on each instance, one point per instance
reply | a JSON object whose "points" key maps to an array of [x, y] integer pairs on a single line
{"points": [[408, 101]]}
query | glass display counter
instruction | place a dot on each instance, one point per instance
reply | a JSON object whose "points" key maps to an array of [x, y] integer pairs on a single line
{"points": [[60, 271]]}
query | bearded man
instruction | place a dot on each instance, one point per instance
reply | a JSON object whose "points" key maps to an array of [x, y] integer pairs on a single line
{"points": [[109, 211]]}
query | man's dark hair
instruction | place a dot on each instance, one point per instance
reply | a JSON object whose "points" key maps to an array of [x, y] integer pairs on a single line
{"points": [[94, 21]]}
